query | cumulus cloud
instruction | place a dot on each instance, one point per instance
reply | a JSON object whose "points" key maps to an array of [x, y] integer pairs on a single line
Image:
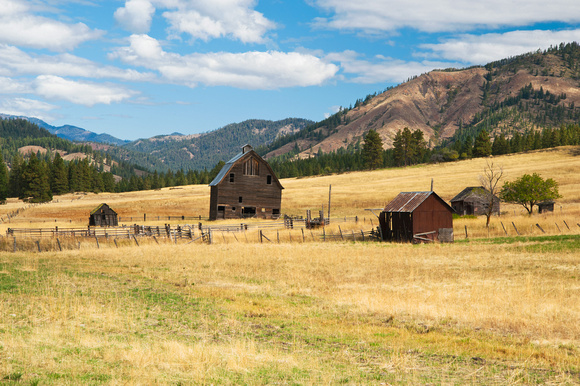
{"points": [[27, 107], [12, 86], [200, 19], [84, 93], [20, 27], [136, 15], [247, 70], [377, 16], [482, 49], [14, 62], [381, 69]]}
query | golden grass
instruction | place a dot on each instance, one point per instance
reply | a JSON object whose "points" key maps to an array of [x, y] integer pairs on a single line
{"points": [[482, 311]]}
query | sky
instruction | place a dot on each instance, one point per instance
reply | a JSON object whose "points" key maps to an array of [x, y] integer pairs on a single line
{"points": [[141, 68]]}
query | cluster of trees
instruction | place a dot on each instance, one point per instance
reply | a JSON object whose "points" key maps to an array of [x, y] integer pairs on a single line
{"points": [[37, 180]]}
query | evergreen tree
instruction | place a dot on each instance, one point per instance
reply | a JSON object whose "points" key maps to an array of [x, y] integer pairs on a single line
{"points": [[58, 176], [372, 151], [15, 179], [3, 180], [482, 145], [35, 181]]}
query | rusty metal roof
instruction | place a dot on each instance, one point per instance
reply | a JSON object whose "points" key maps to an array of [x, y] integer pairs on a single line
{"points": [[408, 201]]}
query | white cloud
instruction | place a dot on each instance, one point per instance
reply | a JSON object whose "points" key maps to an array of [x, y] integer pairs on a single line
{"points": [[381, 69], [136, 15], [482, 49], [84, 93], [14, 61], [200, 19], [27, 107], [20, 27], [11, 86], [248, 70], [377, 16]]}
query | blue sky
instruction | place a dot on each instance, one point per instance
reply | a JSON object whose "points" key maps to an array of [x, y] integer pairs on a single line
{"points": [[140, 68]]}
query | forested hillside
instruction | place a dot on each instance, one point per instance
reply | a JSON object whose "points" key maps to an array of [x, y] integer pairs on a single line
{"points": [[204, 151], [530, 92]]}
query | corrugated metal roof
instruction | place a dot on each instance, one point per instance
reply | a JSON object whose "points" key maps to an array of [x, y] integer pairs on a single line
{"points": [[407, 201], [226, 169]]}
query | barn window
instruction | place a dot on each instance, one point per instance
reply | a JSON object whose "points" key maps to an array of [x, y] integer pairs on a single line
{"points": [[275, 212], [269, 180], [252, 167], [240, 199], [231, 177]]}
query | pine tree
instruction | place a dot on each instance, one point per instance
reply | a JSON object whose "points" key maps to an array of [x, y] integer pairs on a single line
{"points": [[35, 181], [482, 145], [3, 180], [372, 150], [58, 176]]}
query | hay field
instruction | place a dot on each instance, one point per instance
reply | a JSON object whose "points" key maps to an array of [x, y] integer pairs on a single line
{"points": [[490, 309]]}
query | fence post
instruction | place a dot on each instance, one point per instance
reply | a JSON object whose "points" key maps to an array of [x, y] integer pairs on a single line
{"points": [[58, 242], [15, 243], [516, 228], [302, 229], [503, 228], [135, 238], [38, 245], [363, 234], [565, 223], [97, 239], [278, 236], [558, 228], [115, 240], [538, 225], [323, 234], [466, 236], [340, 230]]}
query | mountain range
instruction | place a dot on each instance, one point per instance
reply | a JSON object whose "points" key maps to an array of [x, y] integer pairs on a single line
{"points": [[523, 93]]}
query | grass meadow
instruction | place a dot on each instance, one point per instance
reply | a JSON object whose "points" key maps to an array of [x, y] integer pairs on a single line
{"points": [[491, 308]]}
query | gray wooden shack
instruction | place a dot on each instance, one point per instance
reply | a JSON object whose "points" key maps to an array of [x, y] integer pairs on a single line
{"points": [[545, 206], [245, 187], [102, 216], [474, 200]]}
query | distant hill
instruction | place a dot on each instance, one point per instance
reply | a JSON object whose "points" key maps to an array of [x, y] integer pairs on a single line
{"points": [[72, 133], [528, 92], [205, 150]]}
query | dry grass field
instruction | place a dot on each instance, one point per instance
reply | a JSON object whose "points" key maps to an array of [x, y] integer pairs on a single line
{"points": [[488, 309]]}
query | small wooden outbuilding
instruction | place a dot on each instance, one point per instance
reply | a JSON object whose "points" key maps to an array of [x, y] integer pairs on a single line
{"points": [[103, 216], [474, 200], [545, 206], [417, 217], [245, 187]]}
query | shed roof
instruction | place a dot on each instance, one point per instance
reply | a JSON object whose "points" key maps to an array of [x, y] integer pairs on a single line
{"points": [[468, 191], [409, 201], [99, 207]]}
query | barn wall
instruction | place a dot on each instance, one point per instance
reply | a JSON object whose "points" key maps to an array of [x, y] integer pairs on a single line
{"points": [[253, 190], [431, 215]]}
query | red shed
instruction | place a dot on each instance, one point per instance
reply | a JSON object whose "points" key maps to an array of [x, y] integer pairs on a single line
{"points": [[417, 217]]}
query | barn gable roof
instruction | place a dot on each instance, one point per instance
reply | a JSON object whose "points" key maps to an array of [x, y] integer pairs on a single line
{"points": [[409, 201], [477, 190], [246, 151], [101, 206]]}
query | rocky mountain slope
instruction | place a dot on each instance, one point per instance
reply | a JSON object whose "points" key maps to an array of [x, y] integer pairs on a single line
{"points": [[527, 92]]}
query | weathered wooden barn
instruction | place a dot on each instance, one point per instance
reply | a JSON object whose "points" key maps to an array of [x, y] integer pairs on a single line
{"points": [[102, 216], [474, 200], [417, 217], [245, 187], [545, 206]]}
